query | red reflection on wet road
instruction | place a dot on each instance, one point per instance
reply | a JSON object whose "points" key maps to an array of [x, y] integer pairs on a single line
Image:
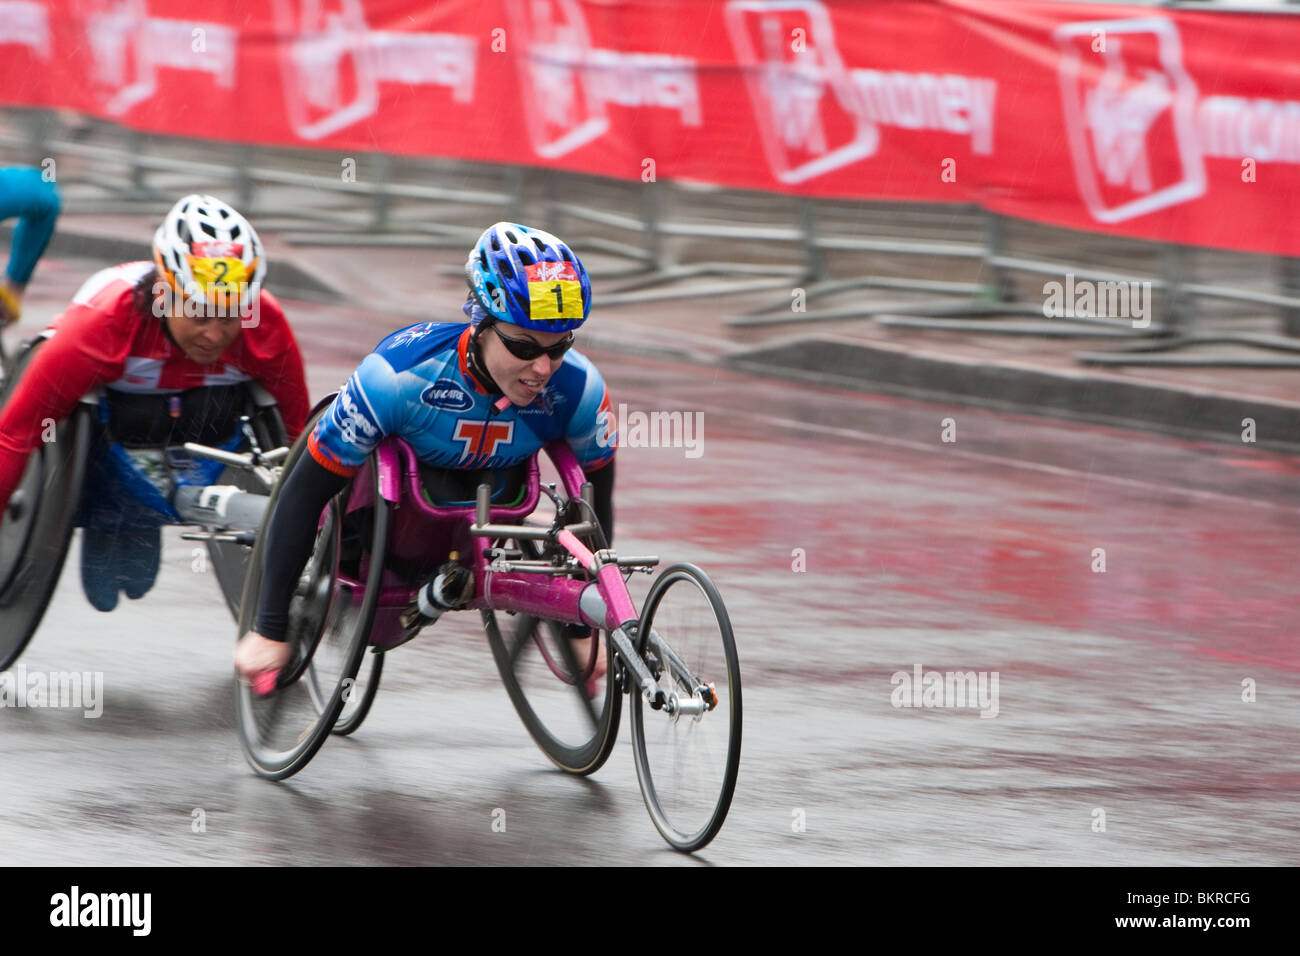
{"points": [[1187, 566]]}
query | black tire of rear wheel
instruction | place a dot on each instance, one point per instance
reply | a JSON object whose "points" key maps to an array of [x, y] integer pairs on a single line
{"points": [[281, 764], [349, 720], [36, 570], [582, 760]]}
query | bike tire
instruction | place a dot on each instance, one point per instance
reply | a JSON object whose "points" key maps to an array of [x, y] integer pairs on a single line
{"points": [[687, 767], [546, 684], [361, 695], [281, 732], [38, 522]]}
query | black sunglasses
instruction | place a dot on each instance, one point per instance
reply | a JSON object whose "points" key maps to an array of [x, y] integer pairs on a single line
{"points": [[528, 350]]}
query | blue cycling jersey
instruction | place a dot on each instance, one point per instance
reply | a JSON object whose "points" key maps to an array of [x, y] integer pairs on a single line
{"points": [[417, 385]]}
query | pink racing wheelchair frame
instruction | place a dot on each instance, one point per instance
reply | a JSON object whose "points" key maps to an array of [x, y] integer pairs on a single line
{"points": [[419, 529], [565, 582]]}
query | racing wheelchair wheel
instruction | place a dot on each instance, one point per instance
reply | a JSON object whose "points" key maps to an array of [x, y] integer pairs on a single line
{"points": [[230, 559], [330, 617], [361, 694], [37, 524], [570, 714], [687, 762]]}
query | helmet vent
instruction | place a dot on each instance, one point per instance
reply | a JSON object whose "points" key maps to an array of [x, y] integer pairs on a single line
{"points": [[511, 236], [234, 232], [209, 229]]}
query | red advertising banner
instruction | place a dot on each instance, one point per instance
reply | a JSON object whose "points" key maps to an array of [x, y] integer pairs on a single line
{"points": [[1127, 120], [1183, 127]]}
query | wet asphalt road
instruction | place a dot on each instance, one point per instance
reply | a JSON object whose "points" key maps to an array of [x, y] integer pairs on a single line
{"points": [[1119, 691]]}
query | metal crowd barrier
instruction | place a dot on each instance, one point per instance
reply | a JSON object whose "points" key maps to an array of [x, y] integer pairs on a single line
{"points": [[364, 216], [641, 223]]}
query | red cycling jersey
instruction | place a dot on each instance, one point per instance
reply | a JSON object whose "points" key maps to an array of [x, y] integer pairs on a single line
{"points": [[105, 339]]}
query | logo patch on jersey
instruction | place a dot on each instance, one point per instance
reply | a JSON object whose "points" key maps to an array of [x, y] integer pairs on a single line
{"points": [[543, 404], [447, 394], [549, 400], [482, 439], [554, 291], [413, 334], [351, 417]]}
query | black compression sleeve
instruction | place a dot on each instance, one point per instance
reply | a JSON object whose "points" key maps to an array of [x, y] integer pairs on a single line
{"points": [[290, 535], [602, 488]]}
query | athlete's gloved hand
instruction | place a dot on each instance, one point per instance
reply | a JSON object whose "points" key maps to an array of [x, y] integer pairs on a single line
{"points": [[11, 302], [452, 587]]}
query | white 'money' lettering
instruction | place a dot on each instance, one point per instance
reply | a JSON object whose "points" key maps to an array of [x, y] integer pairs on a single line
{"points": [[439, 59], [26, 23], [169, 43], [1265, 130], [951, 102], [645, 79]]}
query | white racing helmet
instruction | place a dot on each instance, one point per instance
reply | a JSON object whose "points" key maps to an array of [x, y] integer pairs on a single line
{"points": [[208, 253]]}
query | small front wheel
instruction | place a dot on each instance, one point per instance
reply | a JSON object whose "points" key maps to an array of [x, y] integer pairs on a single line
{"points": [[688, 752]]}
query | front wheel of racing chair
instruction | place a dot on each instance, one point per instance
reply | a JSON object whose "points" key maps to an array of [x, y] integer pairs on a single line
{"points": [[688, 755], [330, 618], [38, 522]]}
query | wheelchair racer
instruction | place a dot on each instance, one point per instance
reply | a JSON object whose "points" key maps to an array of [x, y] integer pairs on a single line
{"points": [[475, 401], [171, 341], [25, 193]]}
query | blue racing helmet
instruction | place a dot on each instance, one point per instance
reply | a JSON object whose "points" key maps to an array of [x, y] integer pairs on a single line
{"points": [[529, 278]]}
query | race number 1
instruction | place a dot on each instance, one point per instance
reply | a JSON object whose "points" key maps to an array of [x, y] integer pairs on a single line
{"points": [[554, 291]]}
